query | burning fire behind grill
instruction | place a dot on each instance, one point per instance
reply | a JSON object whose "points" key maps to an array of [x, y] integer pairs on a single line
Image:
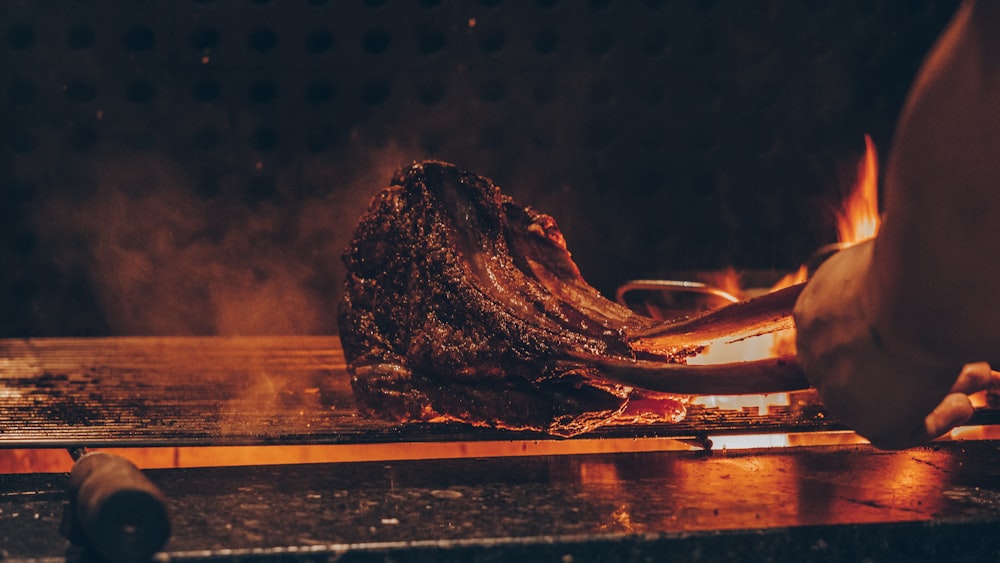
{"points": [[857, 221]]}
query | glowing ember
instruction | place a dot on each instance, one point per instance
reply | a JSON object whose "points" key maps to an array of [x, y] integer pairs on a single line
{"points": [[750, 441], [753, 348], [59, 460], [732, 402]]}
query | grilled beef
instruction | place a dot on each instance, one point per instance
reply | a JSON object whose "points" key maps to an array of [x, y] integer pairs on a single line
{"points": [[461, 304]]}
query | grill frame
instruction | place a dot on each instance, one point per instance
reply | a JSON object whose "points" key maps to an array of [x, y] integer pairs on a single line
{"points": [[936, 503]]}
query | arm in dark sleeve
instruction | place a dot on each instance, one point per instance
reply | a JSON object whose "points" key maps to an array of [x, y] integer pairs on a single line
{"points": [[885, 328]]}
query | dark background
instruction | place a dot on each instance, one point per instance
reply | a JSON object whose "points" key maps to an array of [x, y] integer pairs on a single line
{"points": [[197, 166]]}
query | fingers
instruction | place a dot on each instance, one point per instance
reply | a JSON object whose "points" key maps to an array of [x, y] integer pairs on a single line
{"points": [[976, 377], [954, 410]]}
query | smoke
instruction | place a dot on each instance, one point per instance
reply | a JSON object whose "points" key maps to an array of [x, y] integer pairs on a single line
{"points": [[164, 259]]}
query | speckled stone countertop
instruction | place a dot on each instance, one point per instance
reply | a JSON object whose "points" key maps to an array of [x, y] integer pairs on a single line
{"points": [[935, 503]]}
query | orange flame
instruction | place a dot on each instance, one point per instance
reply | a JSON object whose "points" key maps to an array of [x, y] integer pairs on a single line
{"points": [[858, 219], [727, 280]]}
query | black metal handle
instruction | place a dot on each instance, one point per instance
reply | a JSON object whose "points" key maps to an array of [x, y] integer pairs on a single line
{"points": [[120, 512]]}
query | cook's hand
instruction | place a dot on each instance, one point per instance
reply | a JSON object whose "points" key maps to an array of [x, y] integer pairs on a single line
{"points": [[890, 392], [956, 408]]}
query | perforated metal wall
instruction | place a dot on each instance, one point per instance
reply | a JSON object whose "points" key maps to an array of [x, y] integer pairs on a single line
{"points": [[196, 166]]}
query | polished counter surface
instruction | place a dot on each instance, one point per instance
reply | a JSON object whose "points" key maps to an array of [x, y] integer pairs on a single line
{"points": [[940, 502]]}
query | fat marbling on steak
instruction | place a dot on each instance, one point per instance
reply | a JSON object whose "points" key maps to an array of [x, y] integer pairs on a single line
{"points": [[461, 304]]}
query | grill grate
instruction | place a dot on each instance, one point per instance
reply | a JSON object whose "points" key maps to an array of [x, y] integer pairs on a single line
{"points": [[244, 391], [236, 391]]}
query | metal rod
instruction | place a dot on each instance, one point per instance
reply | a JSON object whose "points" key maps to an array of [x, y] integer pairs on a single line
{"points": [[672, 285]]}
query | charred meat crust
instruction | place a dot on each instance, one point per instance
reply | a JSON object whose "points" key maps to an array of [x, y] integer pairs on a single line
{"points": [[461, 304]]}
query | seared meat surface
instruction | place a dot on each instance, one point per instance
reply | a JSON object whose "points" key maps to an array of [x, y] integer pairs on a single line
{"points": [[461, 304]]}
